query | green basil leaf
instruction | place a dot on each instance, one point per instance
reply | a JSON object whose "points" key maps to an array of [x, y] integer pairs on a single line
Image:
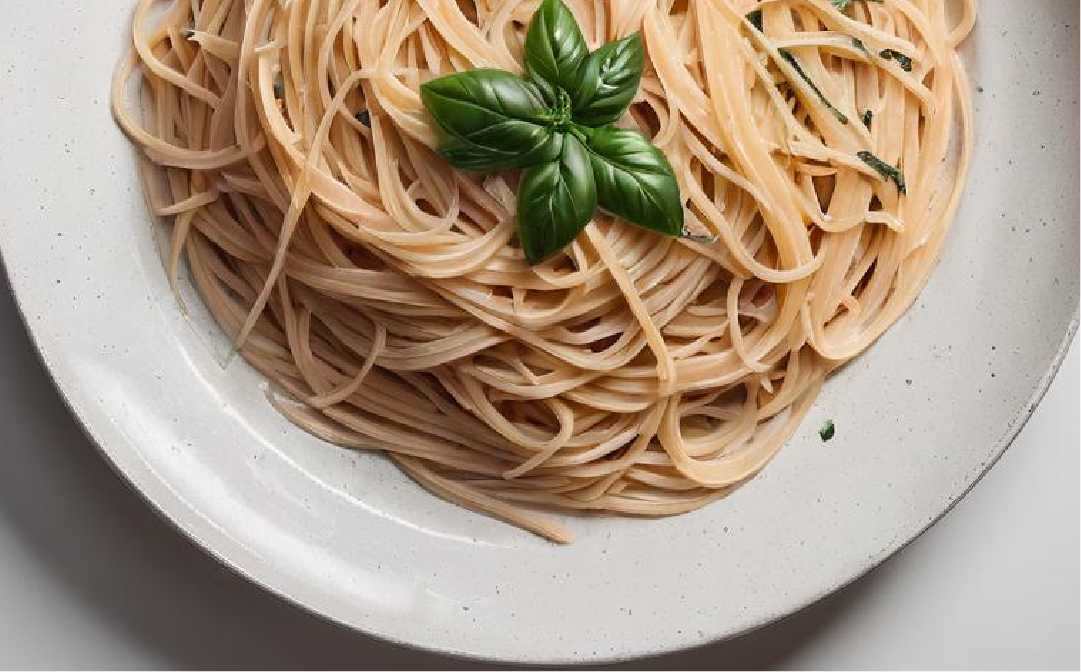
{"points": [[634, 180], [465, 155], [555, 201], [607, 81], [554, 48], [490, 120]]}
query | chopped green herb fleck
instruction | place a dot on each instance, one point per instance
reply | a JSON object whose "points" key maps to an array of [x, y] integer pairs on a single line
{"points": [[858, 43], [827, 431], [866, 118], [365, 117], [791, 60], [187, 33], [279, 88], [842, 5], [904, 61], [884, 169], [755, 18]]}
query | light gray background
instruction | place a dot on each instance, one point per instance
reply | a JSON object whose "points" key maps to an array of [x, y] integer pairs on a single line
{"points": [[90, 577]]}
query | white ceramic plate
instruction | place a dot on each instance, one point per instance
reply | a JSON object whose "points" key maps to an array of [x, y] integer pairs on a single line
{"points": [[919, 417]]}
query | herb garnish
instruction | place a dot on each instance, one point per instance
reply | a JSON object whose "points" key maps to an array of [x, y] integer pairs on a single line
{"points": [[887, 54], [755, 18], [827, 431], [904, 61], [791, 60], [842, 5], [884, 169], [866, 118], [364, 117], [556, 124]]}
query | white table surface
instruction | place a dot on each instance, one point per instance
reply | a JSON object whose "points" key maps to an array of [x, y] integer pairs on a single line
{"points": [[90, 577]]}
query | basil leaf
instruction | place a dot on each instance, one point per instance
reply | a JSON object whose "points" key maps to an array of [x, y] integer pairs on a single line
{"points": [[467, 156], [555, 201], [607, 81], [634, 180], [490, 120], [554, 48]]}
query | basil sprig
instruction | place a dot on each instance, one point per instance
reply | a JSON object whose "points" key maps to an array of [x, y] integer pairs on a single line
{"points": [[556, 124], [491, 120]]}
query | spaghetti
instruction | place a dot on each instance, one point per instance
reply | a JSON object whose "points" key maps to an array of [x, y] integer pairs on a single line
{"points": [[820, 148]]}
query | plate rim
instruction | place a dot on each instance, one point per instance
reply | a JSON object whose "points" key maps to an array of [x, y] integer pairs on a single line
{"points": [[189, 532], [130, 461]]}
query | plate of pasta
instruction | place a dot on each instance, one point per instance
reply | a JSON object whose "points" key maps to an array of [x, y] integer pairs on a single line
{"points": [[427, 314]]}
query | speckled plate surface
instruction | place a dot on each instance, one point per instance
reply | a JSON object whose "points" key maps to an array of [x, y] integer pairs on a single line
{"points": [[919, 417]]}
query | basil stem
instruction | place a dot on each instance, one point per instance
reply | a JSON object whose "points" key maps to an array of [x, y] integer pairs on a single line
{"points": [[634, 180], [554, 48], [555, 201], [490, 119], [607, 81]]}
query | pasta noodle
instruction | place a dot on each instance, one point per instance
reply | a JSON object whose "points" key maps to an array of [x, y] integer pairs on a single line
{"points": [[384, 293]]}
